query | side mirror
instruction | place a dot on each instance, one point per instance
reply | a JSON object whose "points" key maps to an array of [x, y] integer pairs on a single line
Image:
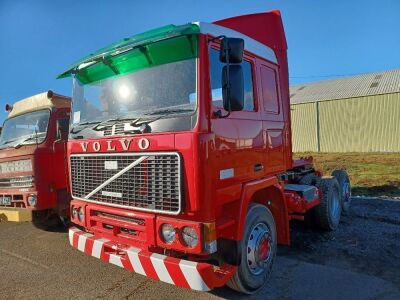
{"points": [[231, 50], [232, 88]]}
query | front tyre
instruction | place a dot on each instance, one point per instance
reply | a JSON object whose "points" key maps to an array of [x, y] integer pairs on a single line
{"points": [[257, 249]]}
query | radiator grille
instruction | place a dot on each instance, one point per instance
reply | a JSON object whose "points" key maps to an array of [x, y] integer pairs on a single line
{"points": [[154, 184], [16, 182]]}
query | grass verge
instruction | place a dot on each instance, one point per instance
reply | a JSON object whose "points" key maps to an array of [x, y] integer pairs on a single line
{"points": [[371, 174]]}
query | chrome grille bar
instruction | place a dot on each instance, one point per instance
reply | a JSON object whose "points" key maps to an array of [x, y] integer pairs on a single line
{"points": [[16, 182]]}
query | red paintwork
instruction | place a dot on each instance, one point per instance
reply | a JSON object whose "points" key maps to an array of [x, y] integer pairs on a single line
{"points": [[240, 141], [297, 205], [48, 168]]}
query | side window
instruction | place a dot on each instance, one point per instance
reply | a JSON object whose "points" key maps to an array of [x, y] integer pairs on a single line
{"points": [[216, 87], [269, 90], [62, 129]]}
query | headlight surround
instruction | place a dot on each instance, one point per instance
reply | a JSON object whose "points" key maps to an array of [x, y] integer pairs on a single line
{"points": [[190, 236], [168, 233], [32, 200]]}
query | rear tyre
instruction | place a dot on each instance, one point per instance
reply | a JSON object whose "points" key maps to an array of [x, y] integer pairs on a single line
{"points": [[327, 212], [257, 249], [345, 188]]}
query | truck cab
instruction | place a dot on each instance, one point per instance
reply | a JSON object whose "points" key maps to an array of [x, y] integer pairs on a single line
{"points": [[33, 175], [180, 154]]}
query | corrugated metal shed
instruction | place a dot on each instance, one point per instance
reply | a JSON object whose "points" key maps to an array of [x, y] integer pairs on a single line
{"points": [[362, 116], [377, 83]]}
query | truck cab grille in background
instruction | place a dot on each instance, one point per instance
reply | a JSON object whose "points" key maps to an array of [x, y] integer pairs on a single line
{"points": [[16, 182], [154, 184]]}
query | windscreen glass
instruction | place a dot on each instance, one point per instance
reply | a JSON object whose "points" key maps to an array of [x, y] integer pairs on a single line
{"points": [[165, 89], [156, 81], [29, 128]]}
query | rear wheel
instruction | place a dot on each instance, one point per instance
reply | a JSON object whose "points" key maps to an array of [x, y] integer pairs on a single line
{"points": [[345, 188], [258, 250], [327, 212]]}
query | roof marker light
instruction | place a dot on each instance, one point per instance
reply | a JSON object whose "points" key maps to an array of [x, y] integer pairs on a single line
{"points": [[8, 108]]}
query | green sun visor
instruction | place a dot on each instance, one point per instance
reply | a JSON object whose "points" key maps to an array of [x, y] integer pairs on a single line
{"points": [[159, 46]]}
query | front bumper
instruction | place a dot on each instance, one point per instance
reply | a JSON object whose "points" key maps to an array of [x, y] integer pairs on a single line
{"points": [[184, 273], [12, 214]]}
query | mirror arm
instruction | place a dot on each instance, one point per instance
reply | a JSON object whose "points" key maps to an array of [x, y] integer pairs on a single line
{"points": [[216, 38], [219, 115]]}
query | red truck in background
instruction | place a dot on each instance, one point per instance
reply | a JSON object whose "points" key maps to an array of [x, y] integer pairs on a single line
{"points": [[33, 174], [180, 155]]}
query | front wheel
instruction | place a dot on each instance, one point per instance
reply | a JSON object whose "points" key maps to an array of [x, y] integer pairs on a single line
{"points": [[258, 250]]}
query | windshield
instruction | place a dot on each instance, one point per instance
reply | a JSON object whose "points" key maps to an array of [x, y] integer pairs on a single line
{"points": [[29, 128], [168, 89]]}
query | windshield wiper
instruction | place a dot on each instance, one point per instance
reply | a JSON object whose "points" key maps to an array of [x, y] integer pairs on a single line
{"points": [[168, 111], [9, 141], [16, 139], [25, 140], [84, 125]]}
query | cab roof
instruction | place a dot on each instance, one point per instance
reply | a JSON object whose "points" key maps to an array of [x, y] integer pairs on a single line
{"points": [[263, 34], [38, 102]]}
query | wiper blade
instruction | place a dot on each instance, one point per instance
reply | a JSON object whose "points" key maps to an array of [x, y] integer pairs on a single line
{"points": [[169, 111], [25, 140], [84, 124]]}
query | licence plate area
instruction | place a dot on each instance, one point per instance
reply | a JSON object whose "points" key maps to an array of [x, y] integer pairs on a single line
{"points": [[136, 229], [5, 200]]}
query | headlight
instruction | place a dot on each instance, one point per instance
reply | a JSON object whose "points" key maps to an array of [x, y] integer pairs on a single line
{"points": [[168, 233], [190, 237], [32, 200], [74, 212], [81, 214]]}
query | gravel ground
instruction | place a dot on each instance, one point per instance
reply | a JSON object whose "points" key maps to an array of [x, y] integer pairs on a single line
{"points": [[361, 260]]}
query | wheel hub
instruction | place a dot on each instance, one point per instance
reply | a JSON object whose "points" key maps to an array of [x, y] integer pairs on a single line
{"points": [[259, 248]]}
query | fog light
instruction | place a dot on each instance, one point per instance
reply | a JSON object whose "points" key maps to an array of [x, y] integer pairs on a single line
{"points": [[81, 214], [189, 236], [74, 212], [32, 200], [168, 233]]}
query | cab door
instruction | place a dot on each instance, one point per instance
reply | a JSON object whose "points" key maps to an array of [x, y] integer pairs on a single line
{"points": [[239, 147], [272, 116]]}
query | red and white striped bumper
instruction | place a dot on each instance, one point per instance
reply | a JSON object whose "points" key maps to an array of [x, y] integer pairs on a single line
{"points": [[183, 273]]}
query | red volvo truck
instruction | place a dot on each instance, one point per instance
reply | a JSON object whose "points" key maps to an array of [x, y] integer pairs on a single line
{"points": [[180, 155], [33, 174]]}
